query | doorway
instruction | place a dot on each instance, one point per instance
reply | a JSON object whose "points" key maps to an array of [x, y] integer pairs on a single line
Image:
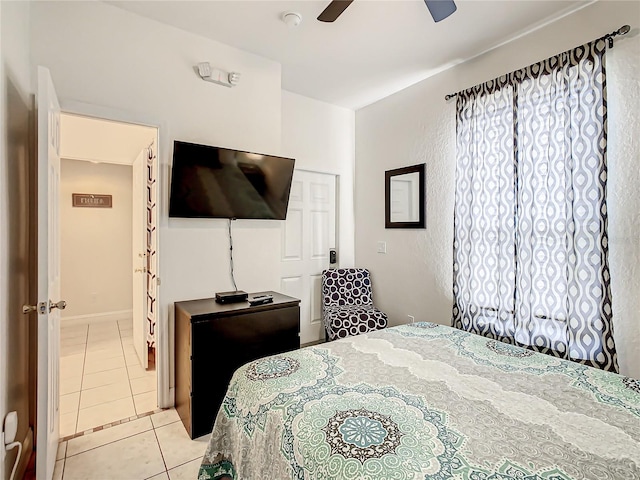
{"points": [[308, 236], [108, 272]]}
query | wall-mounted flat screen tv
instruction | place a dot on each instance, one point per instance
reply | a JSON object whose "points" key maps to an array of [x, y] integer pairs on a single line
{"points": [[215, 182]]}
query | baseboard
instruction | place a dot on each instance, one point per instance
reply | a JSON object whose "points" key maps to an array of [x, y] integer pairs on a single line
{"points": [[92, 318], [310, 344]]}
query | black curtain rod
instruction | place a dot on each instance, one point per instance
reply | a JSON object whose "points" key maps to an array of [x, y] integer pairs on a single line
{"points": [[623, 30]]}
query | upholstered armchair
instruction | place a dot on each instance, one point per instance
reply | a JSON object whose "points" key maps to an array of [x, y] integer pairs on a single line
{"points": [[347, 303]]}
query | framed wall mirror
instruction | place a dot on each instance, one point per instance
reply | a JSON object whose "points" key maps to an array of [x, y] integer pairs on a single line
{"points": [[404, 197]]}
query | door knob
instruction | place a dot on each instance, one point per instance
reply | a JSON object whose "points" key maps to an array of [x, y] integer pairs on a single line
{"points": [[61, 305], [41, 307]]}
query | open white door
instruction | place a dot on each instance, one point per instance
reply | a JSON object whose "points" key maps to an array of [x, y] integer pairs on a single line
{"points": [[49, 302], [307, 236], [139, 229]]}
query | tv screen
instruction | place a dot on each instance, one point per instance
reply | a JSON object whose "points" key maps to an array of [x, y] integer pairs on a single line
{"points": [[214, 182]]}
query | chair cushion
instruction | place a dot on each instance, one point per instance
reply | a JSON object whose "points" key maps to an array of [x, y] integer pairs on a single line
{"points": [[346, 286], [342, 322]]}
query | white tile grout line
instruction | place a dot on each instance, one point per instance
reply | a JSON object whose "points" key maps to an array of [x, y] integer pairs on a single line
{"points": [[160, 448], [116, 422], [177, 466], [126, 366], [123, 438], [108, 425], [133, 396], [153, 428], [84, 360]]}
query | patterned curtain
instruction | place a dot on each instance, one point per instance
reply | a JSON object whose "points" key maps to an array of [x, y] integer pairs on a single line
{"points": [[530, 241]]}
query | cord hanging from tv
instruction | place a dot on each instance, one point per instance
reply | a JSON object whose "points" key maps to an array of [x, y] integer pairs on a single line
{"points": [[235, 295], [216, 182]]}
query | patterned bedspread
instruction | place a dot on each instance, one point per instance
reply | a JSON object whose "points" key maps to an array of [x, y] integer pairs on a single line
{"points": [[424, 401]]}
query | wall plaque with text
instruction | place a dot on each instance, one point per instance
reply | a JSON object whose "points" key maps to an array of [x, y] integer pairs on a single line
{"points": [[92, 200]]}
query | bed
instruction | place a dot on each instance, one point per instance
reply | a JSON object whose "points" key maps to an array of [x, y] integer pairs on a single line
{"points": [[424, 401]]}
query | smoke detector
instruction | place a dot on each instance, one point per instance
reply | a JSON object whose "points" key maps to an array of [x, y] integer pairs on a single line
{"points": [[292, 19]]}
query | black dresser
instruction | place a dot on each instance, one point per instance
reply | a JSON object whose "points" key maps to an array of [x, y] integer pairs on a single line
{"points": [[213, 340]]}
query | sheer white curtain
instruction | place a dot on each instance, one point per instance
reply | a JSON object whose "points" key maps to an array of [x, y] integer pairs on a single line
{"points": [[530, 245]]}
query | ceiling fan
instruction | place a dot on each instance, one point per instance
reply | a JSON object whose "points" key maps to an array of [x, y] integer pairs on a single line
{"points": [[439, 9]]}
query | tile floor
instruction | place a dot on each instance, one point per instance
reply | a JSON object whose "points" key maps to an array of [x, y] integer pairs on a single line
{"points": [[101, 379], [154, 447]]}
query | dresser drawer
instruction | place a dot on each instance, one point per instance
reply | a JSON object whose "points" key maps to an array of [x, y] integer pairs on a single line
{"points": [[212, 341], [246, 337]]}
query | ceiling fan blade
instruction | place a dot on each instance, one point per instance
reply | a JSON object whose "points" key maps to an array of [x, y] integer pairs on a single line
{"points": [[334, 10], [440, 9]]}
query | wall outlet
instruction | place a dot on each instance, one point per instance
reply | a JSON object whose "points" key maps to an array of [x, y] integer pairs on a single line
{"points": [[382, 247], [412, 319]]}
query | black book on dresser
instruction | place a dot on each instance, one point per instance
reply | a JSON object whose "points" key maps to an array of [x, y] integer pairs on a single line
{"points": [[212, 340]]}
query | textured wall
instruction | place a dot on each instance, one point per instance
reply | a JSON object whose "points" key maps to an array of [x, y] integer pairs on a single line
{"points": [[417, 125], [623, 80]]}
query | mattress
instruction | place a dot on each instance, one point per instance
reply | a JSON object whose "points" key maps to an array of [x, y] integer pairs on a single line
{"points": [[424, 401]]}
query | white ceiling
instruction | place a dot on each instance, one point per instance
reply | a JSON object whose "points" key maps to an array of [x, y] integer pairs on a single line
{"points": [[102, 141], [373, 50]]}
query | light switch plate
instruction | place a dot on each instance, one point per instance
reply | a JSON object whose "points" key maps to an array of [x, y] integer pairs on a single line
{"points": [[382, 247]]}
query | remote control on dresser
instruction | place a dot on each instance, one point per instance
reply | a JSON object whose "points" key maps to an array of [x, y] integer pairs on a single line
{"points": [[260, 299]]}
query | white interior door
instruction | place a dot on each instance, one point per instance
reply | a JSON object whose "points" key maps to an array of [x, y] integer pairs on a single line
{"points": [[307, 236], [49, 301], [139, 250]]}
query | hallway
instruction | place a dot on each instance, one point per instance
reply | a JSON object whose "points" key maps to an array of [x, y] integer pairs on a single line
{"points": [[101, 379]]}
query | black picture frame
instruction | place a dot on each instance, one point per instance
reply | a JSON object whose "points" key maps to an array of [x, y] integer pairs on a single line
{"points": [[388, 175]]}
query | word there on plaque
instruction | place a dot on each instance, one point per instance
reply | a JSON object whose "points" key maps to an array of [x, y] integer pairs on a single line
{"points": [[92, 200]]}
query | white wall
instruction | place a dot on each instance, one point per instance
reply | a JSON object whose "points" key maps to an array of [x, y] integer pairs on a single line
{"points": [[417, 125], [101, 55], [321, 138], [96, 246], [15, 254], [623, 196]]}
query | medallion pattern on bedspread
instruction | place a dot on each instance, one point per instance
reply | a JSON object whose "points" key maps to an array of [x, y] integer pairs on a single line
{"points": [[508, 358], [272, 367], [305, 415], [368, 432], [363, 429], [490, 353], [612, 389], [508, 350], [262, 381], [606, 388]]}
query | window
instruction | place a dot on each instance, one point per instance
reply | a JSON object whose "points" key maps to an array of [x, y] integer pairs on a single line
{"points": [[530, 244]]}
